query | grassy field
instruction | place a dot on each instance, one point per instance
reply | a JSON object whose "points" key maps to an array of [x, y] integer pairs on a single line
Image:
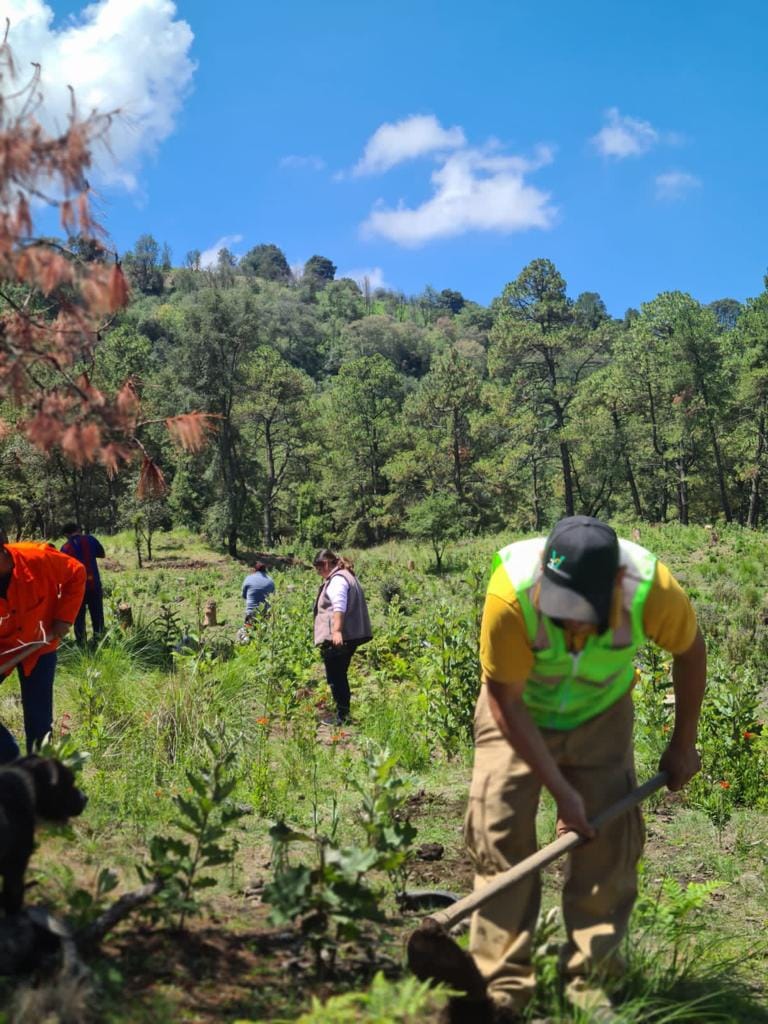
{"points": [[143, 702]]}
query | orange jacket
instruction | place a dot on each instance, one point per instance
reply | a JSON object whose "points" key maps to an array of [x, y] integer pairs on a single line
{"points": [[44, 585]]}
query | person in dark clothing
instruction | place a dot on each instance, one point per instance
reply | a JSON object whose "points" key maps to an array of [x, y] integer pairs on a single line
{"points": [[86, 549], [341, 625]]}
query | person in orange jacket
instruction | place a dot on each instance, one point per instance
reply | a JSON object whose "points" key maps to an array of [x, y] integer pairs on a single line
{"points": [[41, 591]]}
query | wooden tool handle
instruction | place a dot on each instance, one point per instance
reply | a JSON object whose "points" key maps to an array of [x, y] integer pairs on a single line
{"points": [[464, 907]]}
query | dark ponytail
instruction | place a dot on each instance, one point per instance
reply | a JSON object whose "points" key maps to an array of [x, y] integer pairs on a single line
{"points": [[334, 560]]}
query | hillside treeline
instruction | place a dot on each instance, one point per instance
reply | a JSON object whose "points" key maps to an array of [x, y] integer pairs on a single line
{"points": [[352, 415]]}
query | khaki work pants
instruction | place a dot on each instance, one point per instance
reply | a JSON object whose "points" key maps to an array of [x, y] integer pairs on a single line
{"points": [[500, 830]]}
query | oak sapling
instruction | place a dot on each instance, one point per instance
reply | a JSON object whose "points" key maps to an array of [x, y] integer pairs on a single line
{"points": [[206, 815]]}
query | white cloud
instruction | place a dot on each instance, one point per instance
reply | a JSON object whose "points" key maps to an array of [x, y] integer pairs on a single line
{"points": [[415, 136], [115, 54], [623, 136], [375, 276], [302, 163], [676, 184], [209, 257], [474, 190]]}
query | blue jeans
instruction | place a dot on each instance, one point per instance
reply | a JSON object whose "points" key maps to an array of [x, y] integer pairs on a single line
{"points": [[37, 702]]}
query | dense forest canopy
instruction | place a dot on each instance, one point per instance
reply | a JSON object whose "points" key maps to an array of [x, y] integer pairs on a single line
{"points": [[350, 414]]}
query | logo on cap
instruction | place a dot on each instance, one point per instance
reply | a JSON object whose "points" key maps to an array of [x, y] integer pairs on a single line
{"points": [[555, 562]]}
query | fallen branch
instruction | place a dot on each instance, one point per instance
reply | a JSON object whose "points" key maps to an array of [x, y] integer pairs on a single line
{"points": [[95, 932]]}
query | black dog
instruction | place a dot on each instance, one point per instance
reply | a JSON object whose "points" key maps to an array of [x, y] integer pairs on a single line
{"points": [[30, 788]]}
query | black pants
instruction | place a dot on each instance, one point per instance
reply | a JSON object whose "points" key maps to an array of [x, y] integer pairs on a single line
{"points": [[336, 661], [93, 600]]}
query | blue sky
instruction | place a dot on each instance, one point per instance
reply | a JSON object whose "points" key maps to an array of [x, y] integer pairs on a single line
{"points": [[434, 143]]}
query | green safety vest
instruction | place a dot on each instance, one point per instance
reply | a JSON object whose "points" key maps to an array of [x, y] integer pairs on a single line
{"points": [[565, 689]]}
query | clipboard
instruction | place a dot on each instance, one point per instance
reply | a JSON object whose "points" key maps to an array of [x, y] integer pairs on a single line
{"points": [[10, 659]]}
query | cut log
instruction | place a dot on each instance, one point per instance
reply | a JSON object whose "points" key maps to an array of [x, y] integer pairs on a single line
{"points": [[209, 618], [124, 615]]}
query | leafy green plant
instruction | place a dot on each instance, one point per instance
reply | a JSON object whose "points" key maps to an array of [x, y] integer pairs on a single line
{"points": [[286, 657], [92, 706], [667, 917], [205, 816], [546, 957], [448, 668], [168, 630], [383, 815], [82, 906], [385, 1002], [66, 749], [329, 899]]}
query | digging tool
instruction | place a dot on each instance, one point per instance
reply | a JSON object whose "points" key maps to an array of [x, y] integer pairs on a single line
{"points": [[9, 659], [432, 953]]}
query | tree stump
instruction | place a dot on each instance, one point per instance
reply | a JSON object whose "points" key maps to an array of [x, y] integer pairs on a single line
{"points": [[124, 615], [209, 618]]}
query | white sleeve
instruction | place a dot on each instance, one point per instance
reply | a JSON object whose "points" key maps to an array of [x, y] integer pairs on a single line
{"points": [[336, 592]]}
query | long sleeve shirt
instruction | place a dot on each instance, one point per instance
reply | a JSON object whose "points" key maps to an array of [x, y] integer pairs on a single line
{"points": [[44, 586], [86, 549]]}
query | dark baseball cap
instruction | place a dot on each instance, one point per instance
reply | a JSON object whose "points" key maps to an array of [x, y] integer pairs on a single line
{"points": [[581, 558]]}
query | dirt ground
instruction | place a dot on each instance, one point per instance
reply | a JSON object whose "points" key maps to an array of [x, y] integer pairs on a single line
{"points": [[233, 966]]}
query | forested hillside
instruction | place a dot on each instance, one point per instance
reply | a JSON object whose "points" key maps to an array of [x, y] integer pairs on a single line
{"points": [[355, 415], [286, 851]]}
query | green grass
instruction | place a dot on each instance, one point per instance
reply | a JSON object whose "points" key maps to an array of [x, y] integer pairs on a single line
{"points": [[139, 709]]}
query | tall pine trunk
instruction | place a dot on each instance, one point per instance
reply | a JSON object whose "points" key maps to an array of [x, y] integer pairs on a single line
{"points": [[537, 515], [725, 503], [565, 459], [628, 471], [682, 492], [753, 515], [269, 490], [232, 542]]}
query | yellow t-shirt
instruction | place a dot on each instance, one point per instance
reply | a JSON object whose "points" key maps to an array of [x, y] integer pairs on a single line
{"points": [[505, 650]]}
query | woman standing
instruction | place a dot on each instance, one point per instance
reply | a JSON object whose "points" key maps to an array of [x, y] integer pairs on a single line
{"points": [[341, 625]]}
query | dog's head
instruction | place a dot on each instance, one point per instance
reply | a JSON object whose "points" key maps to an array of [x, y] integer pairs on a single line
{"points": [[57, 798]]}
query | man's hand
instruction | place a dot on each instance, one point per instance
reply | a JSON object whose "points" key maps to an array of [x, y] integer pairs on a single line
{"points": [[523, 735], [337, 638], [571, 814], [681, 762], [59, 628], [681, 759]]}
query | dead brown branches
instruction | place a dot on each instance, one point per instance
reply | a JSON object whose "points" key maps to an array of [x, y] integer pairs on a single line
{"points": [[54, 306]]}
